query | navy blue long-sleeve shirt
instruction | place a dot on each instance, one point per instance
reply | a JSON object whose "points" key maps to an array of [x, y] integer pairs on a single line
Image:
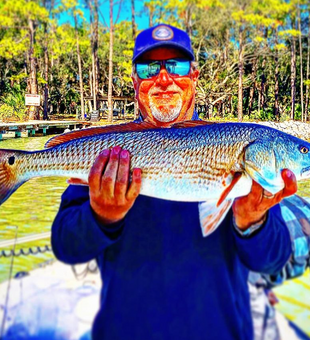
{"points": [[162, 280]]}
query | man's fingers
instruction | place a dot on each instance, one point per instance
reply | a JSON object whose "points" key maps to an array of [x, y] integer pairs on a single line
{"points": [[290, 188], [267, 194], [94, 178], [110, 173], [121, 183], [251, 208], [135, 186], [290, 183]]}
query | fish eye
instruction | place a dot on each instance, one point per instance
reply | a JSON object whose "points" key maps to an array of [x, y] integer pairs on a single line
{"points": [[11, 160], [304, 149]]}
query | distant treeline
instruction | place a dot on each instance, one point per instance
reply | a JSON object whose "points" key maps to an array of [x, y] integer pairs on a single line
{"points": [[253, 55]]}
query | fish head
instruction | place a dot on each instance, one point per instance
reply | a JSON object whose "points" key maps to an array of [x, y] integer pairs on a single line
{"points": [[266, 157], [294, 154]]}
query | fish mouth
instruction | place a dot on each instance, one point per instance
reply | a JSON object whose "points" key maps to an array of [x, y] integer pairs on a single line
{"points": [[305, 172]]}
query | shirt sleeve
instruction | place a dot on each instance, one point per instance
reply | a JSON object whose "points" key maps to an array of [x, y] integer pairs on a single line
{"points": [[77, 237], [268, 249], [295, 211]]}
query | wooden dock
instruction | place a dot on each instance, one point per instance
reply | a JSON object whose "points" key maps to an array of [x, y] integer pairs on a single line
{"points": [[35, 126]]}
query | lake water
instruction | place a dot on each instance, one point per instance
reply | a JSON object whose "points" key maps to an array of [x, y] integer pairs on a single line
{"points": [[32, 208]]}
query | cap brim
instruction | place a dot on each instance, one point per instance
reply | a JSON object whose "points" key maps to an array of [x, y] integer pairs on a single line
{"points": [[166, 44]]}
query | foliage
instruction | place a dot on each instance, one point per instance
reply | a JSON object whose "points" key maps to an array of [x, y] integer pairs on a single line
{"points": [[268, 29], [12, 105]]}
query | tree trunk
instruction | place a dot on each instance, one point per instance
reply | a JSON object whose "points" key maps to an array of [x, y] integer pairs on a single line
{"points": [[32, 85], [91, 90], [80, 67], [263, 86], [301, 71], [276, 80], [93, 18], [110, 105], [226, 47], [263, 90], [188, 20], [133, 21], [210, 110], [47, 43], [252, 89], [293, 77], [240, 84], [151, 9], [95, 53], [45, 108], [136, 109], [307, 75]]}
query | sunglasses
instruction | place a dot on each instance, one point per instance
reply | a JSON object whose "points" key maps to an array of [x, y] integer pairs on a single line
{"points": [[175, 67]]}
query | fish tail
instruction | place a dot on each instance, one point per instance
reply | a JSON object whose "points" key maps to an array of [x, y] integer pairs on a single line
{"points": [[10, 179]]}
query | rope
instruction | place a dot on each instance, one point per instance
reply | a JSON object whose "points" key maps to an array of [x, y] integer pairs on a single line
{"points": [[91, 267], [26, 252]]}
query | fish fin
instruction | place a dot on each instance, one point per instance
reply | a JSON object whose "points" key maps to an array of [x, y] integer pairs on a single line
{"points": [[225, 193], [191, 123], [211, 215], [93, 131], [9, 181], [267, 180], [77, 181]]}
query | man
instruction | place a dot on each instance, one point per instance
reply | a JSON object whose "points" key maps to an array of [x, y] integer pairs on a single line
{"points": [[161, 278]]}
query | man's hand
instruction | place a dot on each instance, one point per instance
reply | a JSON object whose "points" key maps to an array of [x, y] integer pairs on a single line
{"points": [[110, 196], [252, 208]]}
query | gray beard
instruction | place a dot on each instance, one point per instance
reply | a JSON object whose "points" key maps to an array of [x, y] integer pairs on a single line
{"points": [[165, 116]]}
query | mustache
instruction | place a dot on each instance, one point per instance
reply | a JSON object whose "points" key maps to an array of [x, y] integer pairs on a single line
{"points": [[171, 88]]}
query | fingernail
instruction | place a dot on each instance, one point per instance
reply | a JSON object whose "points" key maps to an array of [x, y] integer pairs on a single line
{"points": [[106, 152], [289, 174], [137, 172], [116, 150], [124, 154]]}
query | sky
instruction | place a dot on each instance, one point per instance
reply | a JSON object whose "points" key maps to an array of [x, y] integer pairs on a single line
{"points": [[142, 19]]}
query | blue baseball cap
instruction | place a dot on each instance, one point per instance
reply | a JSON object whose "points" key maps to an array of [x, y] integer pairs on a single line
{"points": [[162, 35]]}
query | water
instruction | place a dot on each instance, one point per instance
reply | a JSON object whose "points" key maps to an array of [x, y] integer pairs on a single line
{"points": [[34, 205], [31, 209]]}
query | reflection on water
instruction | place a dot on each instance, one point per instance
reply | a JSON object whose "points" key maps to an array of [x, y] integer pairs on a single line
{"points": [[33, 207]]}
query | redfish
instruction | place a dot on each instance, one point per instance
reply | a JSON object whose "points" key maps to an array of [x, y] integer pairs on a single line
{"points": [[191, 161]]}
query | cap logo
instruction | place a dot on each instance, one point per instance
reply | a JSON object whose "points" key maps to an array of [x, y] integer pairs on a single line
{"points": [[162, 33]]}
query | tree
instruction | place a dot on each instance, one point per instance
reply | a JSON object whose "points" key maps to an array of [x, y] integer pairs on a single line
{"points": [[110, 88], [133, 21], [25, 16], [307, 83], [300, 63], [79, 64], [110, 103]]}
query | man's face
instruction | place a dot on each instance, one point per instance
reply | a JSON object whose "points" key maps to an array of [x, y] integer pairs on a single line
{"points": [[165, 99]]}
